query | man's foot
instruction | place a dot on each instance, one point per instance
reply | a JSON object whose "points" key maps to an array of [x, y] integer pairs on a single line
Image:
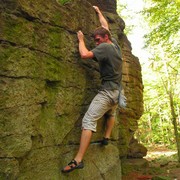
{"points": [[105, 141], [72, 166]]}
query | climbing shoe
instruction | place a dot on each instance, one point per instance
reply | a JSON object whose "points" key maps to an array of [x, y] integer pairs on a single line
{"points": [[105, 141], [72, 166]]}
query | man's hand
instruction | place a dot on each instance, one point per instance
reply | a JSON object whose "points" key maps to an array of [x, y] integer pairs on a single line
{"points": [[97, 9], [102, 19], [84, 52], [80, 36]]}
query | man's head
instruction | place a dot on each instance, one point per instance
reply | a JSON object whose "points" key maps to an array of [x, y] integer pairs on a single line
{"points": [[101, 35]]}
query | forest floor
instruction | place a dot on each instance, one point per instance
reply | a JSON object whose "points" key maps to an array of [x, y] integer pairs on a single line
{"points": [[162, 164]]}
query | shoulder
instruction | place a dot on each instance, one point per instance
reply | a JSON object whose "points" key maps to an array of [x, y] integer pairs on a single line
{"points": [[114, 41], [100, 51], [101, 47]]}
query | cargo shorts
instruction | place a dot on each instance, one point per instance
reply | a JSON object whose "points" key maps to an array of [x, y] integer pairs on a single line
{"points": [[105, 102]]}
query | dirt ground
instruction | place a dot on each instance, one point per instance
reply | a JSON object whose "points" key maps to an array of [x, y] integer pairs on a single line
{"points": [[162, 165]]}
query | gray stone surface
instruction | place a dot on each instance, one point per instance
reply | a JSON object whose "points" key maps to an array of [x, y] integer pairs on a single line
{"points": [[45, 89]]}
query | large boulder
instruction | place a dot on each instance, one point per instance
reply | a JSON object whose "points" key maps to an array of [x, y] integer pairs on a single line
{"points": [[45, 89]]}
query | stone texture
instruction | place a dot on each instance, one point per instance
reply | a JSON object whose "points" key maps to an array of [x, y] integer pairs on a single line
{"points": [[45, 89], [136, 150], [134, 165]]}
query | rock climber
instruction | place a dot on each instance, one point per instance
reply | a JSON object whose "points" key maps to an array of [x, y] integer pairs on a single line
{"points": [[108, 55]]}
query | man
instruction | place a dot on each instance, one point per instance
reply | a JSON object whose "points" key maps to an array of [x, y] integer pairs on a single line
{"points": [[108, 55]]}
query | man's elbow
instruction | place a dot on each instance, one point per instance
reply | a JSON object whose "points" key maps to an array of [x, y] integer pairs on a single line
{"points": [[83, 56], [87, 55], [106, 27]]}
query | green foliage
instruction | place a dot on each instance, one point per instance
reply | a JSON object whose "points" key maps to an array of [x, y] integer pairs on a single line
{"points": [[163, 18], [161, 74], [126, 15], [155, 126]]}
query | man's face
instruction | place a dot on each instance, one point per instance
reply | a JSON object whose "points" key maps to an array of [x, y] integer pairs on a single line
{"points": [[99, 39]]}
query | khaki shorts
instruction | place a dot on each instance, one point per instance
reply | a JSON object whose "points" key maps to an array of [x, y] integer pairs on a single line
{"points": [[105, 102]]}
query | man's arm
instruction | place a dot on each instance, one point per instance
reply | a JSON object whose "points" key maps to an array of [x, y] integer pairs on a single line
{"points": [[102, 19], [84, 52]]}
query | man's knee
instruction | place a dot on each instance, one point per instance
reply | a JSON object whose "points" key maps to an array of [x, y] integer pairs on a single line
{"points": [[109, 116]]}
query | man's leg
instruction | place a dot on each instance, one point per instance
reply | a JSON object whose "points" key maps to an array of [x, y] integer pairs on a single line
{"points": [[100, 104], [109, 126], [84, 143], [110, 120]]}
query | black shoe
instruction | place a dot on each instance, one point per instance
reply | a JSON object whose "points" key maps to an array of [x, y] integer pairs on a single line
{"points": [[72, 166], [105, 141]]}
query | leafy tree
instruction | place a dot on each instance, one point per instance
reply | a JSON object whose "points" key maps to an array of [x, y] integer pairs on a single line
{"points": [[161, 77], [126, 14], [163, 17], [164, 42]]}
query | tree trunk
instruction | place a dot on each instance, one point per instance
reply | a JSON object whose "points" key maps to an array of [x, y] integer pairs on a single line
{"points": [[175, 124]]}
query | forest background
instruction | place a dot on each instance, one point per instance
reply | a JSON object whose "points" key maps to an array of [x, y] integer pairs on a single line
{"points": [[153, 27]]}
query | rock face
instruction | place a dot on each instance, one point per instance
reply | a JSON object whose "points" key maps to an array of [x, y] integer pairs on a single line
{"points": [[45, 89]]}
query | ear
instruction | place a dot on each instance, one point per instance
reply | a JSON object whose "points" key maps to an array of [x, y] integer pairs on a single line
{"points": [[106, 37]]}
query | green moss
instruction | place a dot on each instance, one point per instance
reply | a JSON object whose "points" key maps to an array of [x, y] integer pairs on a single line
{"points": [[54, 126], [126, 169], [63, 1], [156, 170], [123, 149], [24, 62], [54, 41], [3, 176], [8, 168], [44, 37], [17, 27]]}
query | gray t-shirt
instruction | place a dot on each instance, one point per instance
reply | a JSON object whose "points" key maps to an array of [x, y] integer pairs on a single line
{"points": [[110, 64]]}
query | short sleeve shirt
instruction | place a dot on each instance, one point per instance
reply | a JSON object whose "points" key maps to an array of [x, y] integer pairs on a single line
{"points": [[110, 64]]}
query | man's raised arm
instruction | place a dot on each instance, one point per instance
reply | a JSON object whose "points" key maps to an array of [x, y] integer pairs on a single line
{"points": [[102, 19], [84, 52]]}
